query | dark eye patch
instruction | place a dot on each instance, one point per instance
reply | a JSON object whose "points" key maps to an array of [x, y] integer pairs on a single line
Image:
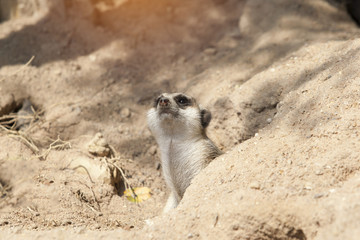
{"points": [[183, 101]]}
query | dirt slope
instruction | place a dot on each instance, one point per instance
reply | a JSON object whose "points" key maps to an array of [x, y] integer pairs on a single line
{"points": [[281, 78]]}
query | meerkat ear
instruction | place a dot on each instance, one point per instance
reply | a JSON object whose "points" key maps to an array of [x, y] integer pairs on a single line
{"points": [[205, 117]]}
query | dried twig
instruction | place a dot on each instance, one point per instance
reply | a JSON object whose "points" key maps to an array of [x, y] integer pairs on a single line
{"points": [[19, 70], [82, 166], [33, 211], [10, 120], [18, 134], [95, 199], [58, 144], [4, 192], [126, 181], [82, 198]]}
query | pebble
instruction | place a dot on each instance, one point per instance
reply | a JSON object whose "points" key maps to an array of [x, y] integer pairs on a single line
{"points": [[269, 120], [98, 146], [318, 195], [125, 113], [255, 185], [153, 150], [210, 51]]}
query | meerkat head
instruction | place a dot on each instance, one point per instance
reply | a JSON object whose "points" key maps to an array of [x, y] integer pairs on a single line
{"points": [[177, 113]]}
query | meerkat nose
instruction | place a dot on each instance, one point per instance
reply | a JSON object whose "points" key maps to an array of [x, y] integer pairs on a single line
{"points": [[164, 102]]}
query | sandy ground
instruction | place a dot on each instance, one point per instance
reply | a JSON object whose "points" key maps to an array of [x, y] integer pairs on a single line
{"points": [[281, 78]]}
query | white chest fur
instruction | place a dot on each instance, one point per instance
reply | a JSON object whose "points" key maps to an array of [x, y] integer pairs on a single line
{"points": [[181, 161]]}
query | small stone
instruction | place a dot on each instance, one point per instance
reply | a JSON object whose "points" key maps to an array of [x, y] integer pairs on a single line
{"points": [[269, 120], [307, 186], [210, 51], [319, 172], [255, 185], [235, 227], [66, 222], [318, 195], [98, 170], [153, 150], [98, 146], [190, 235], [125, 113], [102, 142]]}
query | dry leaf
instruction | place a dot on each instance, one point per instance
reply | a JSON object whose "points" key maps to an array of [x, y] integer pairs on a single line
{"points": [[138, 194]]}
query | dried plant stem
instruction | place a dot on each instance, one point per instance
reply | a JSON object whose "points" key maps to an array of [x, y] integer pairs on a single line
{"points": [[126, 181], [18, 134], [58, 144], [19, 70]]}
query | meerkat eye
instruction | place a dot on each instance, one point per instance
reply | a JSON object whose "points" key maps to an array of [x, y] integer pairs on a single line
{"points": [[183, 101]]}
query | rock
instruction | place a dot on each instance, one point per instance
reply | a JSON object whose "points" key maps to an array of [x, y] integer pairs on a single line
{"points": [[125, 113], [99, 147], [97, 169], [255, 185], [318, 195], [210, 51], [152, 150]]}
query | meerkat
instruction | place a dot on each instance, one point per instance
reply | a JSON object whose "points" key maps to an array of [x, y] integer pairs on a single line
{"points": [[179, 125]]}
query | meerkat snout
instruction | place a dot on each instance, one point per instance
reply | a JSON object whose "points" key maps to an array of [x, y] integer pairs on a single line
{"points": [[164, 102], [179, 125]]}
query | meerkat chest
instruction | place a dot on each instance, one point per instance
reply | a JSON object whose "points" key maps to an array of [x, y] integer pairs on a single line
{"points": [[181, 162]]}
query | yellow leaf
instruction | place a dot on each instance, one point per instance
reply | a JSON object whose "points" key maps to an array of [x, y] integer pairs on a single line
{"points": [[138, 194]]}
